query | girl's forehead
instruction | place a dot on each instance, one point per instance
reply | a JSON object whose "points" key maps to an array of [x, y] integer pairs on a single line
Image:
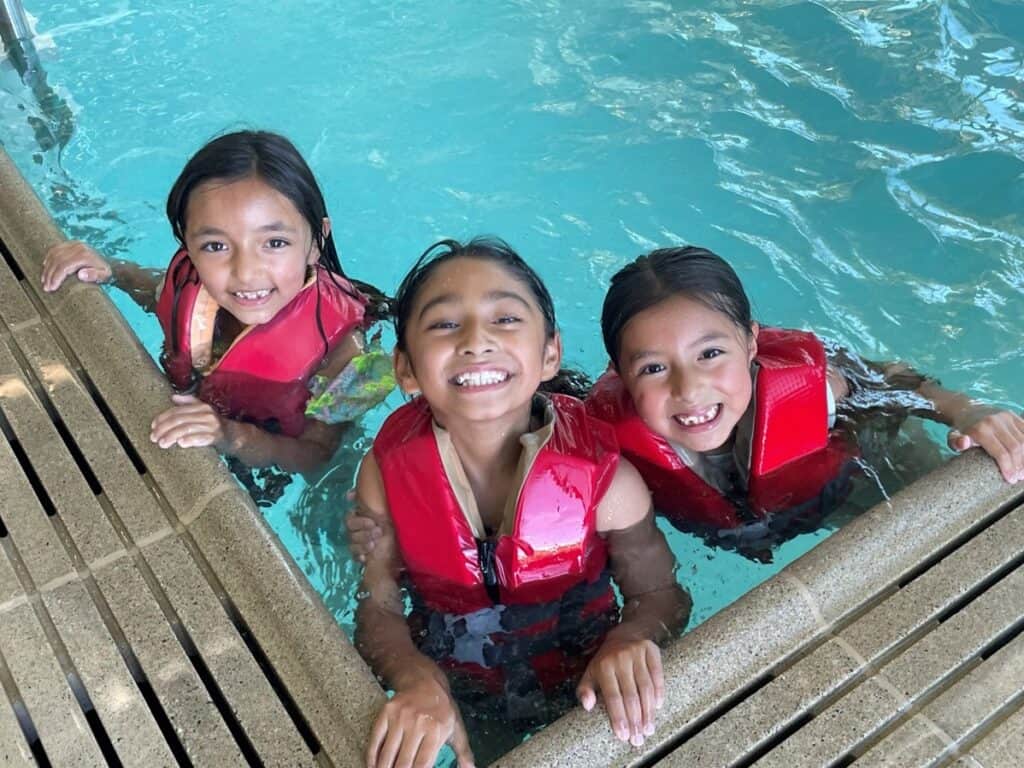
{"points": [[466, 276], [216, 197], [681, 317]]}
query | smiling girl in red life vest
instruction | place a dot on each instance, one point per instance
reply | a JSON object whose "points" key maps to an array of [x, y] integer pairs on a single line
{"points": [[503, 510], [256, 312], [730, 423]]}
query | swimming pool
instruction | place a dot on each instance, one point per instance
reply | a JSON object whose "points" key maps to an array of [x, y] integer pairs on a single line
{"points": [[858, 162]]}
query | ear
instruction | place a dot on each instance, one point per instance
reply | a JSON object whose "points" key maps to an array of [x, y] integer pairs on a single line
{"points": [[752, 343], [552, 362], [327, 227], [404, 373]]}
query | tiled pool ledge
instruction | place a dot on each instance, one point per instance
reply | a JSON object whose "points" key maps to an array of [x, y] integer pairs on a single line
{"points": [[147, 611], [894, 642]]}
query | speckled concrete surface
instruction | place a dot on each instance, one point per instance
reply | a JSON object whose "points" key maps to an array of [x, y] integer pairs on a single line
{"points": [[149, 569], [1003, 746], [945, 724]]}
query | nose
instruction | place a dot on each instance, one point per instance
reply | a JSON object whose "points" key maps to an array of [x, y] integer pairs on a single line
{"points": [[475, 339], [684, 386], [245, 264]]}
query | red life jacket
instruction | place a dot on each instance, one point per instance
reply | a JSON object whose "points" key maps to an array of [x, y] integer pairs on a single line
{"points": [[552, 561], [793, 458], [262, 378], [554, 543]]}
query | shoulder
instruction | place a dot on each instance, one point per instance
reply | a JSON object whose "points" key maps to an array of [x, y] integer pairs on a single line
{"points": [[627, 500]]}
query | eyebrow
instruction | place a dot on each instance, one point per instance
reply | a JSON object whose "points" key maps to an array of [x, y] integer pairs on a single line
{"points": [[490, 297], [712, 336], [274, 226]]}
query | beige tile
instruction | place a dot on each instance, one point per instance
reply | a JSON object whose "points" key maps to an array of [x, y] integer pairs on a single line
{"points": [[244, 686], [126, 718], [184, 698], [63, 730], [1004, 745], [316, 662]]}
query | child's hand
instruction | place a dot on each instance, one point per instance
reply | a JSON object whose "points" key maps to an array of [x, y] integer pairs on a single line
{"points": [[364, 532], [414, 725], [999, 433], [190, 423], [628, 674], [73, 257]]}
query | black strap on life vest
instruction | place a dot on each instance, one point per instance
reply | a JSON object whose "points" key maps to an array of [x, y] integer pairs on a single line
{"points": [[485, 552]]}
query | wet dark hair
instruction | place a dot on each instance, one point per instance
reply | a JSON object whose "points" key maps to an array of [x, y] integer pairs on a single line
{"points": [[689, 271], [274, 160], [496, 250]]}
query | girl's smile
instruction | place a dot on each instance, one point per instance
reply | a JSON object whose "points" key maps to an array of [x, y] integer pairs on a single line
{"points": [[478, 378], [250, 245], [687, 368]]}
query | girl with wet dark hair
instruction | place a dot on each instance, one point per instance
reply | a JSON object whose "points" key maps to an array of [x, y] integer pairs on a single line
{"points": [[506, 510], [263, 332], [730, 423]]}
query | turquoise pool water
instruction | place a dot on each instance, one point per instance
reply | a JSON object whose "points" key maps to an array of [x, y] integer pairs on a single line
{"points": [[860, 163]]}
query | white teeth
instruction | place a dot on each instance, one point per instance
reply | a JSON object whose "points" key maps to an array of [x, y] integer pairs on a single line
{"points": [[700, 418], [253, 295], [480, 378]]}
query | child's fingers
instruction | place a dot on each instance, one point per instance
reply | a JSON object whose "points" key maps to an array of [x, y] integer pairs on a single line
{"points": [[657, 674], [407, 753], [58, 272], [1001, 436], [631, 701], [426, 753], [376, 739], [645, 690], [197, 440], [356, 523], [69, 258], [1003, 439], [958, 441], [378, 734], [389, 750], [585, 691], [460, 745], [613, 704], [193, 410], [186, 426], [187, 435]]}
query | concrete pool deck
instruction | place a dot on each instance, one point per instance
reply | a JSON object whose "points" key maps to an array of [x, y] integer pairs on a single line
{"points": [[149, 617]]}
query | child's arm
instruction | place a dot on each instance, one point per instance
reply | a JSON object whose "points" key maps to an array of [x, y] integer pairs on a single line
{"points": [[77, 258], [414, 725], [627, 667], [191, 423], [999, 433]]}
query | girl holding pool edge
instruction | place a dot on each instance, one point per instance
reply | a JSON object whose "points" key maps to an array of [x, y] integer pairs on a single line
{"points": [[730, 423], [256, 310], [462, 481]]}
